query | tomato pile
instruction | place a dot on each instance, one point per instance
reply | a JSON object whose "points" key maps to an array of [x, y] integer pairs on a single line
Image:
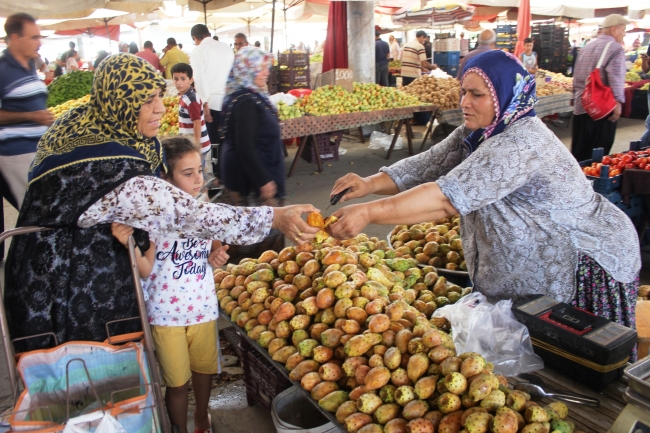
{"points": [[619, 162]]}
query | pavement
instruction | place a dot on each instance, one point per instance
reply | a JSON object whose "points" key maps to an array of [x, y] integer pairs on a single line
{"points": [[229, 409]]}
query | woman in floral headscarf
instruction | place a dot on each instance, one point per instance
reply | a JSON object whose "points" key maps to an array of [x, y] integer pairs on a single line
{"points": [[531, 222], [98, 164], [252, 161]]}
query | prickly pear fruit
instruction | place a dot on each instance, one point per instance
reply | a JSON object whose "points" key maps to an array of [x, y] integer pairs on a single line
{"points": [[377, 377], [505, 421], [415, 409], [371, 428], [434, 417], [392, 358], [552, 415], [561, 426], [418, 364], [399, 377], [386, 412], [350, 365], [354, 422], [479, 389], [425, 387], [456, 383], [345, 410], [368, 403], [561, 409], [419, 425], [387, 393], [536, 427], [404, 395], [332, 401], [494, 401], [449, 402], [536, 414], [470, 411], [450, 423], [472, 365], [477, 422], [450, 365], [516, 400], [397, 425], [467, 401]]}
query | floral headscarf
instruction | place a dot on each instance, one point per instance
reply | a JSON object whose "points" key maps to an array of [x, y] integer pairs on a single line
{"points": [[249, 62], [122, 84], [512, 90]]}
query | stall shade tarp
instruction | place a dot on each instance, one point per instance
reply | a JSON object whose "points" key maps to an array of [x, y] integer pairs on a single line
{"points": [[335, 53], [523, 25], [113, 32]]}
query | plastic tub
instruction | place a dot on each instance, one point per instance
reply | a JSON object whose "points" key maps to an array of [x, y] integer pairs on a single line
{"points": [[293, 413]]}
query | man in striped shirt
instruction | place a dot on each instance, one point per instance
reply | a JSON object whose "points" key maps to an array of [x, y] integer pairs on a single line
{"points": [[414, 59], [23, 114], [190, 108], [589, 134]]}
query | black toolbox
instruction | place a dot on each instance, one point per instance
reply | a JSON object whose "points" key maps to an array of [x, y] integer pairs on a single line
{"points": [[587, 348]]}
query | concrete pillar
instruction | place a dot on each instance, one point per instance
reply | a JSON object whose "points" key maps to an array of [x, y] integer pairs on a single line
{"points": [[361, 40]]}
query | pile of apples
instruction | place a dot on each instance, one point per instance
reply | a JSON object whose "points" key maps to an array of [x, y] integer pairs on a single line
{"points": [[61, 109], [619, 162], [169, 121], [354, 327]]}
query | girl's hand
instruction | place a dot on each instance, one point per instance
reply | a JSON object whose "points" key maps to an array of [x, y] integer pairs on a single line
{"points": [[218, 257], [121, 232]]}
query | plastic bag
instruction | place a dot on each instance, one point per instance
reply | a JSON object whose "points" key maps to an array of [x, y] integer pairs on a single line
{"points": [[439, 73], [283, 97], [491, 330], [379, 140], [108, 424]]}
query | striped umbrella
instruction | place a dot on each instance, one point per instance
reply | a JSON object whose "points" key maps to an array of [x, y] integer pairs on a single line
{"points": [[434, 13]]}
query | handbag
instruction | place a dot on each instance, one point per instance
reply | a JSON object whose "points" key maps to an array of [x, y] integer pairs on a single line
{"points": [[598, 99]]}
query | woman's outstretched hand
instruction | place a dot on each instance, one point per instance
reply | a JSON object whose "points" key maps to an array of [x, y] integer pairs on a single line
{"points": [[351, 220], [359, 186], [287, 219]]}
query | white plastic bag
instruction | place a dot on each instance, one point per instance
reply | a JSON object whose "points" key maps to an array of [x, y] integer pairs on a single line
{"points": [[439, 73], [491, 330], [379, 140], [108, 424], [283, 97]]}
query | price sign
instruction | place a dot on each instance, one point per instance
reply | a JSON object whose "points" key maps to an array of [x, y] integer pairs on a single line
{"points": [[339, 77]]}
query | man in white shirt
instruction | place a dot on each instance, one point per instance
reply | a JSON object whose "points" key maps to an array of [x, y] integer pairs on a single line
{"points": [[212, 61]]}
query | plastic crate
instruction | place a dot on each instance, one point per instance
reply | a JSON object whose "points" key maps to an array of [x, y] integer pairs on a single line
{"points": [[328, 145], [293, 75], [293, 59], [263, 382], [507, 28], [447, 58], [633, 209]]}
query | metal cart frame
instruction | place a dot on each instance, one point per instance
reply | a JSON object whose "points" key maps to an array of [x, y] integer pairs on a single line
{"points": [[10, 359]]}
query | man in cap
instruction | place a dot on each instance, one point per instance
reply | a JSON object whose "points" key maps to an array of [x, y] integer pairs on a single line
{"points": [[588, 133]]}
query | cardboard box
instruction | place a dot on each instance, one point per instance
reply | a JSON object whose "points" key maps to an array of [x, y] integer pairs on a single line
{"points": [[644, 347], [643, 319], [339, 77], [449, 44]]}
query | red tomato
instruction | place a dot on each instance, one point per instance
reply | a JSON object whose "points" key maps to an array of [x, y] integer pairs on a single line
{"points": [[629, 166], [615, 161], [647, 167], [642, 166], [614, 172], [626, 159], [607, 160]]}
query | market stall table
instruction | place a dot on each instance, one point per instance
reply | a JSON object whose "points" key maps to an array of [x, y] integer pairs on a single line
{"points": [[588, 419], [309, 126]]}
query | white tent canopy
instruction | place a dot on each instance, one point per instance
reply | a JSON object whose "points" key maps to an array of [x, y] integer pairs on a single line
{"points": [[67, 9], [562, 8]]}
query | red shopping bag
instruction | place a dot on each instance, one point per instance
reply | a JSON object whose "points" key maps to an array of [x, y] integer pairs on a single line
{"points": [[597, 98]]}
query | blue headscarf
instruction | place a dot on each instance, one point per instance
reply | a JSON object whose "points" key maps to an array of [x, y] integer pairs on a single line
{"points": [[512, 89]]}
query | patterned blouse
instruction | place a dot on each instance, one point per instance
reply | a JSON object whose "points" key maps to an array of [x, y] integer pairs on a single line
{"points": [[527, 212], [155, 206]]}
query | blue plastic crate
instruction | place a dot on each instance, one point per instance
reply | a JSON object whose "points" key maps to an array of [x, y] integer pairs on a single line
{"points": [[446, 58], [633, 209]]}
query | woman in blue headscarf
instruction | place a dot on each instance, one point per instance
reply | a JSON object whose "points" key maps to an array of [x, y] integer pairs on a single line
{"points": [[531, 222]]}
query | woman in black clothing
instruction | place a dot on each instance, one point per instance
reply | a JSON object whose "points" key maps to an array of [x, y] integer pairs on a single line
{"points": [[252, 161], [101, 55]]}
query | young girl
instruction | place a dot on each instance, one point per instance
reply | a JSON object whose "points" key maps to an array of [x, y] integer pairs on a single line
{"points": [[181, 301]]}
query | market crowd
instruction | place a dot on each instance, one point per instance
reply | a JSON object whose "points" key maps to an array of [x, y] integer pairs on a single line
{"points": [[98, 174]]}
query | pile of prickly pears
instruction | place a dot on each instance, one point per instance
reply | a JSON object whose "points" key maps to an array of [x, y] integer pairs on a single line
{"points": [[353, 325], [434, 243]]}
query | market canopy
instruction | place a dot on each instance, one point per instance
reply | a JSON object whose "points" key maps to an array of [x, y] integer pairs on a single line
{"points": [[575, 10], [113, 32], [68, 9], [434, 12]]}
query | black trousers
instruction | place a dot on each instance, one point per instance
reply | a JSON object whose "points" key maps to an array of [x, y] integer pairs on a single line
{"points": [[589, 134], [214, 132], [408, 80]]}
